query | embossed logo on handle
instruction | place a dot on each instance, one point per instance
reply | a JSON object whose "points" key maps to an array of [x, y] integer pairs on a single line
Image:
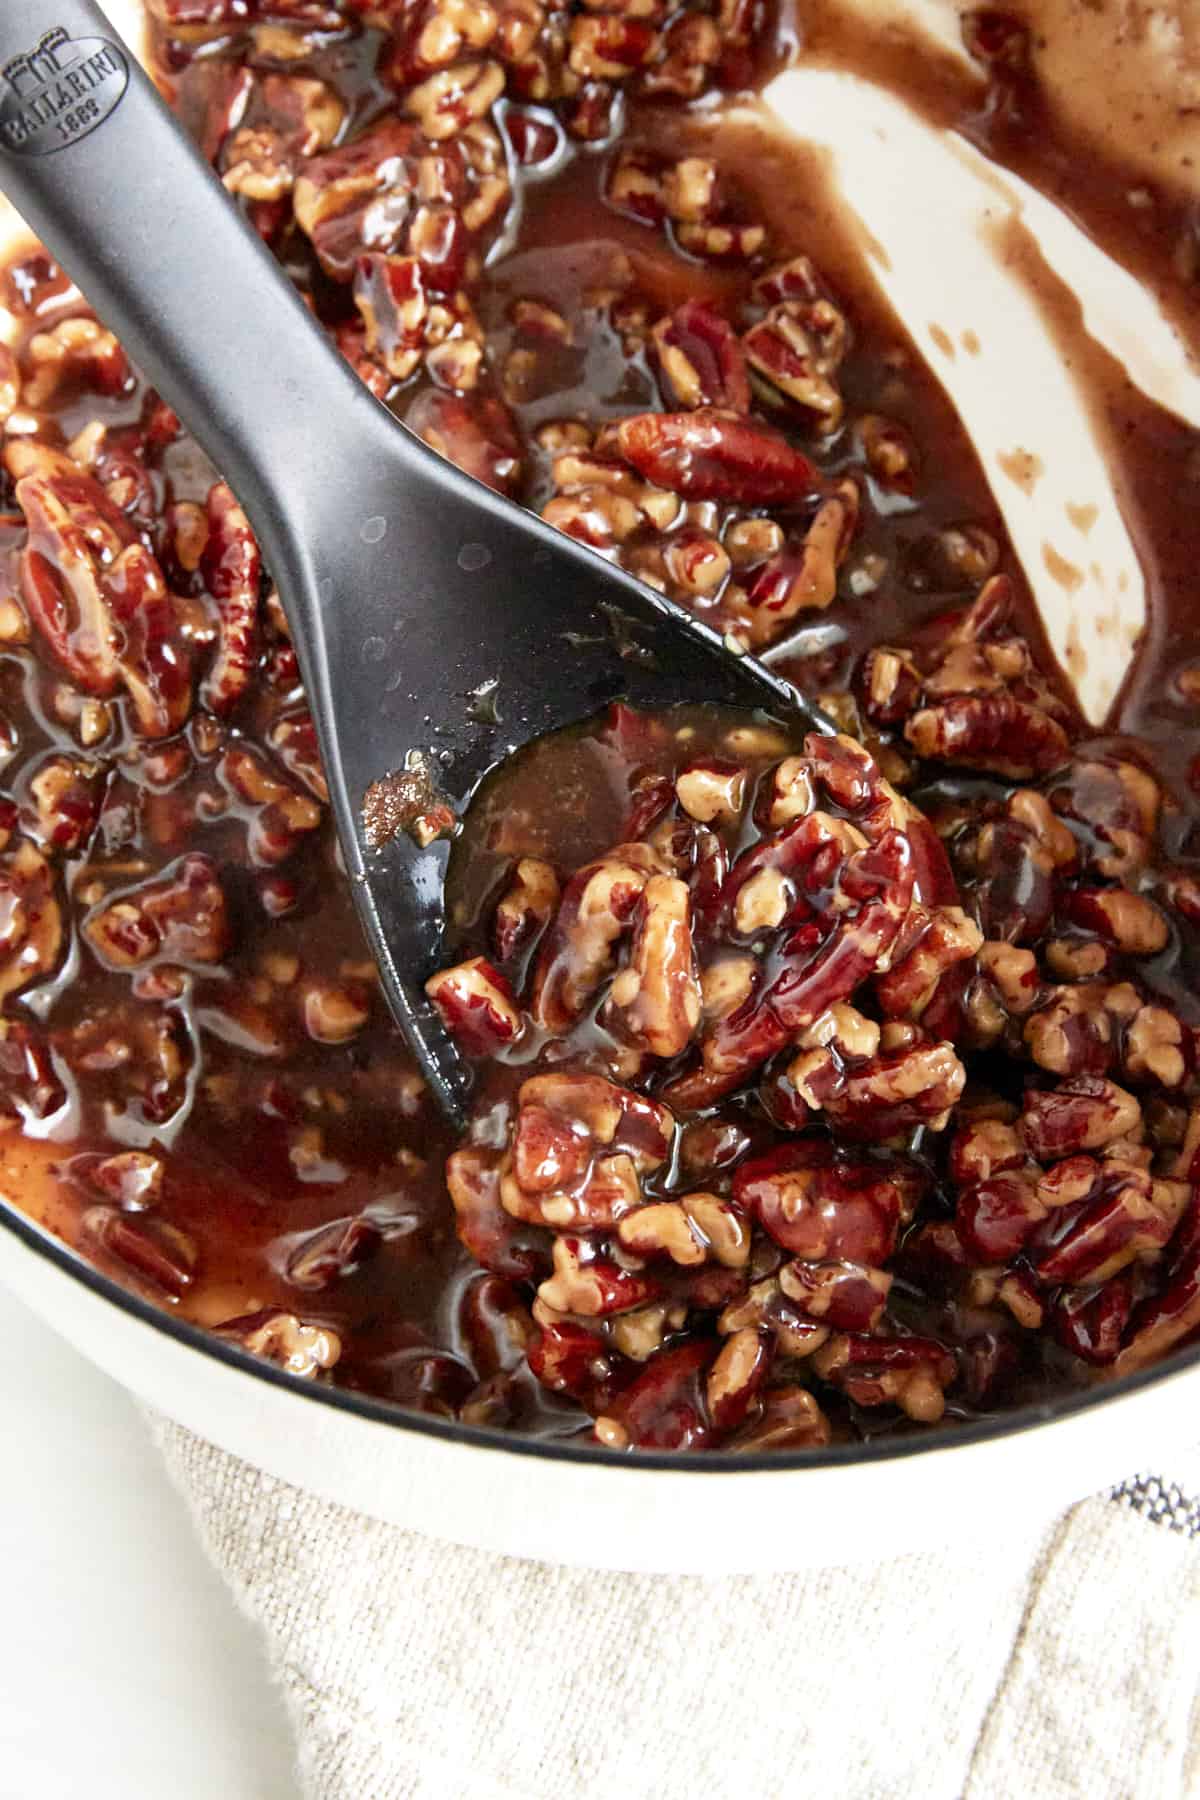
{"points": [[57, 92]]}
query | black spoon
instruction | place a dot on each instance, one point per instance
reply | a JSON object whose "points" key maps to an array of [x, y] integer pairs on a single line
{"points": [[408, 587]]}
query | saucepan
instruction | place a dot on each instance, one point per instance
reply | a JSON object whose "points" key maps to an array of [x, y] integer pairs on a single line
{"points": [[659, 1511]]}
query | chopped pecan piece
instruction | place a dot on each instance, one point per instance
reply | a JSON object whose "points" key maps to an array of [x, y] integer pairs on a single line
{"points": [[741, 1367], [359, 196], [579, 1149], [98, 598], [822, 1203], [477, 1006], [700, 360], [526, 907], [232, 570], [697, 1229], [591, 1285], [657, 994], [911, 1373], [180, 917], [283, 1339], [597, 909], [1081, 1113], [31, 931]]}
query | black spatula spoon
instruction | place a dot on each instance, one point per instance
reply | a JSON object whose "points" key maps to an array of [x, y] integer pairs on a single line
{"points": [[408, 586]]}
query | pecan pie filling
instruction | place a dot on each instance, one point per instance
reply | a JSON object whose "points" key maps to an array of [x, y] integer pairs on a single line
{"points": [[826, 1086]]}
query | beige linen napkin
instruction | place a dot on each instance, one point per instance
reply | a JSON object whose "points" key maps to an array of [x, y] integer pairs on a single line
{"points": [[1059, 1662]]}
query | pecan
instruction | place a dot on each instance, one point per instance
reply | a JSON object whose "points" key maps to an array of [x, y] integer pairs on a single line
{"points": [[579, 1149], [439, 239], [995, 1217], [657, 994], [285, 1340], [803, 574], [31, 932], [434, 36], [31, 1087], [911, 1373], [1121, 1214], [278, 815], [890, 685], [359, 196], [496, 1324], [1090, 1321], [1078, 1030], [796, 362], [232, 569], [179, 917], [1119, 804], [984, 1147], [843, 1295], [664, 1408], [989, 731], [477, 433], [98, 598], [608, 46], [889, 452], [885, 1096], [1165, 1319], [487, 1231], [389, 292], [156, 1252], [1156, 1047], [696, 562], [477, 1006], [817, 967], [634, 186], [712, 455], [65, 792], [1083, 1112], [598, 907], [735, 1378], [591, 1285], [788, 1418], [700, 361], [77, 352], [1013, 976], [131, 1179], [697, 1229], [526, 907], [451, 98], [143, 1058], [569, 1359], [947, 937], [1131, 923], [293, 738], [722, 241], [1033, 812], [822, 1203], [712, 790], [335, 1012], [691, 51]]}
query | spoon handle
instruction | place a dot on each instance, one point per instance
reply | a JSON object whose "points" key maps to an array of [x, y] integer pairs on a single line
{"points": [[95, 163]]}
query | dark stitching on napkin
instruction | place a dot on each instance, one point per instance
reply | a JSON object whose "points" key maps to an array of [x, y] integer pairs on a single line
{"points": [[1162, 1502]]}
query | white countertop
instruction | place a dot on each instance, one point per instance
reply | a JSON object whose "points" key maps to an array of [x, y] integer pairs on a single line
{"points": [[126, 1672]]}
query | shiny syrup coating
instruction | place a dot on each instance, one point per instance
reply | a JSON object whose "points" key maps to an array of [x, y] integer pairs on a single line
{"points": [[207, 1097]]}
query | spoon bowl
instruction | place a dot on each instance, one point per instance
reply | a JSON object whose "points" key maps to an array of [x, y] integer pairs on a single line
{"points": [[437, 626]]}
